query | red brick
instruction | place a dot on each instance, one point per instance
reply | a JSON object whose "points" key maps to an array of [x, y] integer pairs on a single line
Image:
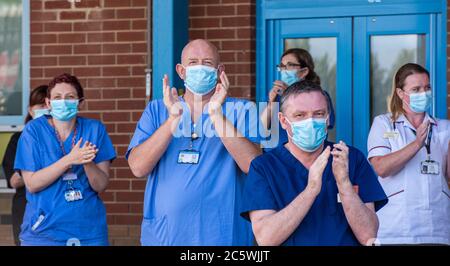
{"points": [[131, 82], [101, 37], [131, 36], [131, 59], [117, 207], [43, 38], [87, 26], [58, 49], [43, 16], [101, 82], [130, 196], [119, 185], [140, 24], [204, 23], [114, 25], [116, 3], [44, 61], [107, 196], [102, 14], [53, 72], [36, 50], [72, 15], [116, 94], [88, 3], [87, 49], [139, 3], [133, 13], [220, 34], [101, 60], [221, 10], [139, 47], [87, 72], [128, 219], [236, 21], [60, 4], [130, 105], [121, 139], [72, 60], [116, 116], [117, 71], [71, 38], [36, 27], [36, 5], [138, 184], [116, 48]]}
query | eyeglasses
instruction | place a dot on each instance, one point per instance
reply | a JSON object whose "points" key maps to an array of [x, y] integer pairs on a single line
{"points": [[288, 66]]}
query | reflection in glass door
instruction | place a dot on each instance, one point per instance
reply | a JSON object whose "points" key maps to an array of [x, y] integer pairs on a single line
{"points": [[387, 54], [381, 45]]}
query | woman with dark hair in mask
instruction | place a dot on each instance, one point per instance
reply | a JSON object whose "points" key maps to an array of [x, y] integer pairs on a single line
{"points": [[64, 160], [296, 65], [36, 109]]}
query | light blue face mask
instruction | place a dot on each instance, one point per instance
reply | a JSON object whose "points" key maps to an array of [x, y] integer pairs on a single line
{"points": [[200, 79], [40, 112], [309, 134], [64, 110], [420, 102], [290, 76]]}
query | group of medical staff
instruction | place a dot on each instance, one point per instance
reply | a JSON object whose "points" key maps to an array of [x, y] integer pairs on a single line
{"points": [[225, 188]]}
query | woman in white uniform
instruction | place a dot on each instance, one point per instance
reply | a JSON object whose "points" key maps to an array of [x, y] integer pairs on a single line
{"points": [[409, 150]]}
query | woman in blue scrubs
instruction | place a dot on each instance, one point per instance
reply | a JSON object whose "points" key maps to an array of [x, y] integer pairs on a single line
{"points": [[296, 65], [64, 160]]}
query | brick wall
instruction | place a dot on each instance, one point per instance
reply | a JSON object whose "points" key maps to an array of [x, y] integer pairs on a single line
{"points": [[103, 42], [230, 25]]}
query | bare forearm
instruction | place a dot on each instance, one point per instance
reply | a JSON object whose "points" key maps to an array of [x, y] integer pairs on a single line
{"points": [[37, 181], [144, 157], [392, 163], [97, 178], [274, 229], [266, 116], [241, 149], [362, 219]]}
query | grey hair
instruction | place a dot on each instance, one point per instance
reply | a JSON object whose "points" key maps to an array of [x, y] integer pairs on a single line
{"points": [[303, 86]]}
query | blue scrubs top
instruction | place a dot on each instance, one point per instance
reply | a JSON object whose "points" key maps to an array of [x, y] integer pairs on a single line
{"points": [[194, 204], [277, 177], [83, 220]]}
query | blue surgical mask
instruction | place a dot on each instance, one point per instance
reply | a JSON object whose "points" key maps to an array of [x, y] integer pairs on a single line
{"points": [[200, 79], [64, 110], [40, 112], [420, 102], [289, 76], [309, 134]]}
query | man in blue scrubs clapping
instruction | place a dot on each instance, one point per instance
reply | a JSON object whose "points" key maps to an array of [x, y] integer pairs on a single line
{"points": [[310, 191], [195, 156]]}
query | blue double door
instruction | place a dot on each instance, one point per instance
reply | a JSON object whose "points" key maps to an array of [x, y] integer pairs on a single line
{"points": [[356, 58]]}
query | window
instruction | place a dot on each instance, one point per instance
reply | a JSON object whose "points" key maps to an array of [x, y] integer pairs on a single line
{"points": [[14, 63]]}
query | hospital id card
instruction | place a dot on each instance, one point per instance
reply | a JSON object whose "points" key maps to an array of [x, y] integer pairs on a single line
{"points": [[429, 167], [390, 135], [70, 176], [73, 195], [188, 157]]}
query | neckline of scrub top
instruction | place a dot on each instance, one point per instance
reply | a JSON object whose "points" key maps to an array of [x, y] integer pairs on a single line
{"points": [[402, 119], [182, 100], [52, 129], [283, 152]]}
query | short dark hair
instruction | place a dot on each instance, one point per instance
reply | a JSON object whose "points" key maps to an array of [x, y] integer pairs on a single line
{"points": [[69, 79], [303, 86], [37, 96]]}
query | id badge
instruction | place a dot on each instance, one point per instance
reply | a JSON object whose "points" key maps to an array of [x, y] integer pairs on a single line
{"points": [[188, 157], [70, 176], [73, 195], [390, 135], [429, 167]]}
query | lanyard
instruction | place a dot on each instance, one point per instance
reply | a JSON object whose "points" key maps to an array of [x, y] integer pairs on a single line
{"points": [[60, 142], [428, 141]]}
